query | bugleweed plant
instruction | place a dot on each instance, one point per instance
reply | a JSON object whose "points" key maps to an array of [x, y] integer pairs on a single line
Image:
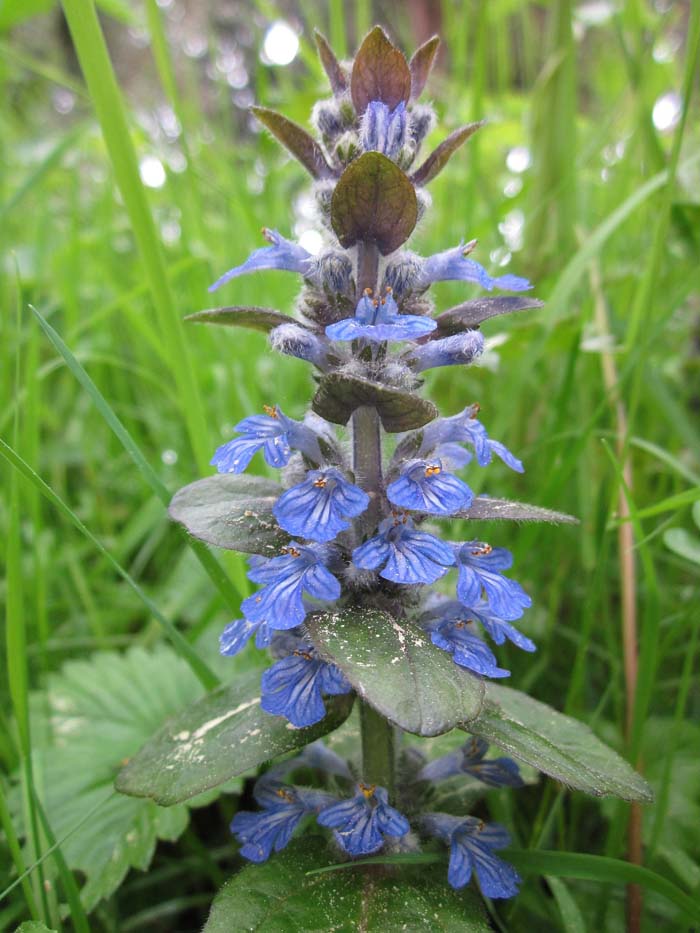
{"points": [[364, 597]]}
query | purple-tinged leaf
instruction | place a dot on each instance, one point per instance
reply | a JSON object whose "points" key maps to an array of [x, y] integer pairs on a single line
{"points": [[470, 314], [421, 64], [374, 201], [338, 396], [483, 508], [296, 140], [262, 319], [379, 72], [439, 157], [334, 70]]}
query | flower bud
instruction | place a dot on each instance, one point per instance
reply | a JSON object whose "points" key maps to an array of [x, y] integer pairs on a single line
{"points": [[294, 340], [461, 349], [402, 273]]}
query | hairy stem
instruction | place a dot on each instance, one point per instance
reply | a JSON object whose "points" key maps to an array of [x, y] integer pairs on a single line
{"points": [[379, 738]]}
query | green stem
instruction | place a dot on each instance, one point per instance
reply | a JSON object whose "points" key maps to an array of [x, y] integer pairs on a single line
{"points": [[379, 746], [379, 738]]}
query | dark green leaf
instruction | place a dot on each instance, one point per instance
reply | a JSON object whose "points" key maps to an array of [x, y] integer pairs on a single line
{"points": [[336, 75], [439, 157], [379, 72], [556, 744], [397, 669], [294, 138], [281, 897], [421, 64], [263, 319], [224, 734], [338, 396], [472, 313], [231, 511], [374, 201], [484, 508]]}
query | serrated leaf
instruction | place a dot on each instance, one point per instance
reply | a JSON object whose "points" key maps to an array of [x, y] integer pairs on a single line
{"points": [[280, 897], [421, 64], [439, 157], [374, 201], [231, 511], [223, 735], [262, 319], [296, 140], [557, 745], [94, 715], [397, 669], [379, 72], [470, 314], [484, 508], [336, 75], [338, 395]]}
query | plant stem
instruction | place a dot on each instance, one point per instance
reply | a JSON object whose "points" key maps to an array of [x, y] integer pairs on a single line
{"points": [[378, 749], [378, 735]]}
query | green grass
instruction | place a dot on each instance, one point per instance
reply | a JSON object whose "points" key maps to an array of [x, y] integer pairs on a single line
{"points": [[110, 402]]}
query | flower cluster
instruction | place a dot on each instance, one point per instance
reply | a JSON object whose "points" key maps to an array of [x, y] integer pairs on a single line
{"points": [[364, 822], [357, 525]]}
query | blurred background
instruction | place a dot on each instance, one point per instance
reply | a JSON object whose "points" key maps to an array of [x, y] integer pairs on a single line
{"points": [[585, 180]]}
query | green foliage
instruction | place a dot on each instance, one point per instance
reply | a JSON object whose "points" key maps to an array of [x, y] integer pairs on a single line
{"points": [[557, 745], [229, 511], [94, 716], [397, 669], [223, 735], [281, 897]]}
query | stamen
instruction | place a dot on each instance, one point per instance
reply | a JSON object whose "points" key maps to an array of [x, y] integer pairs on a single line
{"points": [[476, 408], [433, 470], [306, 655], [469, 247], [291, 551], [482, 551], [271, 411], [367, 291], [284, 794], [368, 790], [321, 482]]}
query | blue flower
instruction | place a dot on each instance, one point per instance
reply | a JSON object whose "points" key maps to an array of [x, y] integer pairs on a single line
{"points": [[407, 555], [282, 254], [472, 843], [237, 633], [458, 350], [498, 628], [300, 568], [318, 508], [465, 428], [361, 823], [283, 809], [379, 320], [479, 570], [294, 686], [425, 487], [274, 433], [470, 759], [450, 628], [384, 130], [453, 265]]}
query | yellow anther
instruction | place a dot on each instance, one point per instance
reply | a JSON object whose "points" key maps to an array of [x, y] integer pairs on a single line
{"points": [[284, 794], [476, 408], [271, 411], [368, 790], [321, 482], [433, 470], [291, 551], [482, 551], [303, 654]]}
